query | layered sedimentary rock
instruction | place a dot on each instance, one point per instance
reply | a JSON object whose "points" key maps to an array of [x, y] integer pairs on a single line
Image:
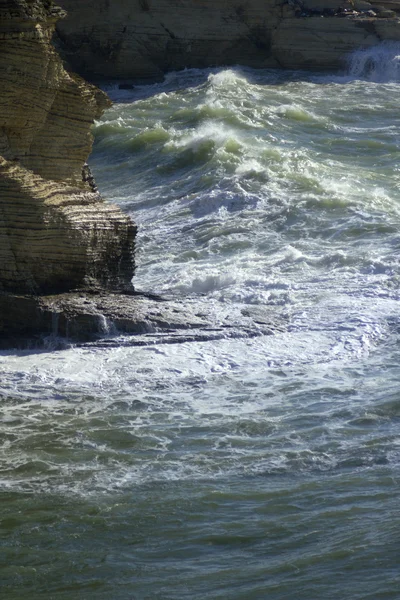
{"points": [[55, 237], [145, 38], [56, 233], [85, 317], [321, 43], [130, 39]]}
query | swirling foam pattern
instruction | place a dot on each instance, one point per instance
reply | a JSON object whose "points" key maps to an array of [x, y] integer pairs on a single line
{"points": [[242, 469]]}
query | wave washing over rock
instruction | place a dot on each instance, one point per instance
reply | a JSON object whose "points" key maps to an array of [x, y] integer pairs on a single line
{"points": [[380, 63], [64, 237]]}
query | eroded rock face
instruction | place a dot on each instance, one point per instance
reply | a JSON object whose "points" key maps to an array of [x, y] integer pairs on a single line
{"points": [[146, 38], [321, 43], [139, 39], [59, 237], [105, 319], [55, 232]]}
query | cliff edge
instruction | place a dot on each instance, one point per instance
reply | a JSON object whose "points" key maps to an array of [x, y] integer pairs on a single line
{"points": [[66, 256], [143, 39], [56, 232]]}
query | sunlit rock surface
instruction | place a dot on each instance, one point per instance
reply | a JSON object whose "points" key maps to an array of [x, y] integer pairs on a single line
{"points": [[56, 237], [56, 233]]}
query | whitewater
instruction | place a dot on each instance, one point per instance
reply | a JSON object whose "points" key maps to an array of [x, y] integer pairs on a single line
{"points": [[240, 469]]}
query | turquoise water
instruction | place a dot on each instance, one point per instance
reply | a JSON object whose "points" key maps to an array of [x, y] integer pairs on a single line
{"points": [[235, 469]]}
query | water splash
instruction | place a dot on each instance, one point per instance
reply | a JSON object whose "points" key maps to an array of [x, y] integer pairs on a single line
{"points": [[380, 64]]}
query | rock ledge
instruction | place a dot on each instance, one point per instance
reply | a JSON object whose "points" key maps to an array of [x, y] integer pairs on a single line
{"points": [[102, 318]]}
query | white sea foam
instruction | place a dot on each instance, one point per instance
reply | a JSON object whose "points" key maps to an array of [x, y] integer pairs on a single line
{"points": [[251, 195], [378, 63]]}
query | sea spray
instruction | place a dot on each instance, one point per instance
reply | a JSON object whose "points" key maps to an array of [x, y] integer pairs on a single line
{"points": [[379, 64]]}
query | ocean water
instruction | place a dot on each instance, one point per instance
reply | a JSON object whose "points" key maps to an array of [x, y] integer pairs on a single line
{"points": [[233, 469]]}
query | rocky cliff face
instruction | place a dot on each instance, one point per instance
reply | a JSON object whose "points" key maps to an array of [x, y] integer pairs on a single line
{"points": [[145, 38], [129, 39], [56, 233]]}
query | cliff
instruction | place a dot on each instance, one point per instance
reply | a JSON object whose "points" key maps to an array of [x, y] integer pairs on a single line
{"points": [[56, 232], [146, 38], [143, 39], [66, 256]]}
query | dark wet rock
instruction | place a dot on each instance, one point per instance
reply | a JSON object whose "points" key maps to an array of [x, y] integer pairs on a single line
{"points": [[102, 318], [259, 314], [384, 14]]}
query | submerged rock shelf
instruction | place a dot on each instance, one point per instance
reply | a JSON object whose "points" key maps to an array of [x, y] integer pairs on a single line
{"points": [[101, 318]]}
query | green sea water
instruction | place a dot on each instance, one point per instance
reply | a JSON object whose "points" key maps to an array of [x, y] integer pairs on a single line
{"points": [[233, 469]]}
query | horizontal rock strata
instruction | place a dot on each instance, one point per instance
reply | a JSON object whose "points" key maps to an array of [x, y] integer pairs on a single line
{"points": [[56, 233], [139, 39], [146, 38], [105, 318], [321, 43], [55, 237]]}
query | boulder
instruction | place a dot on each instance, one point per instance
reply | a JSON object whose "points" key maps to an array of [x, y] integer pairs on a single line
{"points": [[55, 237]]}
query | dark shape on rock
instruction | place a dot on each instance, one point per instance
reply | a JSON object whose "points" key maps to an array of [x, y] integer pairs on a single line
{"points": [[87, 176]]}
